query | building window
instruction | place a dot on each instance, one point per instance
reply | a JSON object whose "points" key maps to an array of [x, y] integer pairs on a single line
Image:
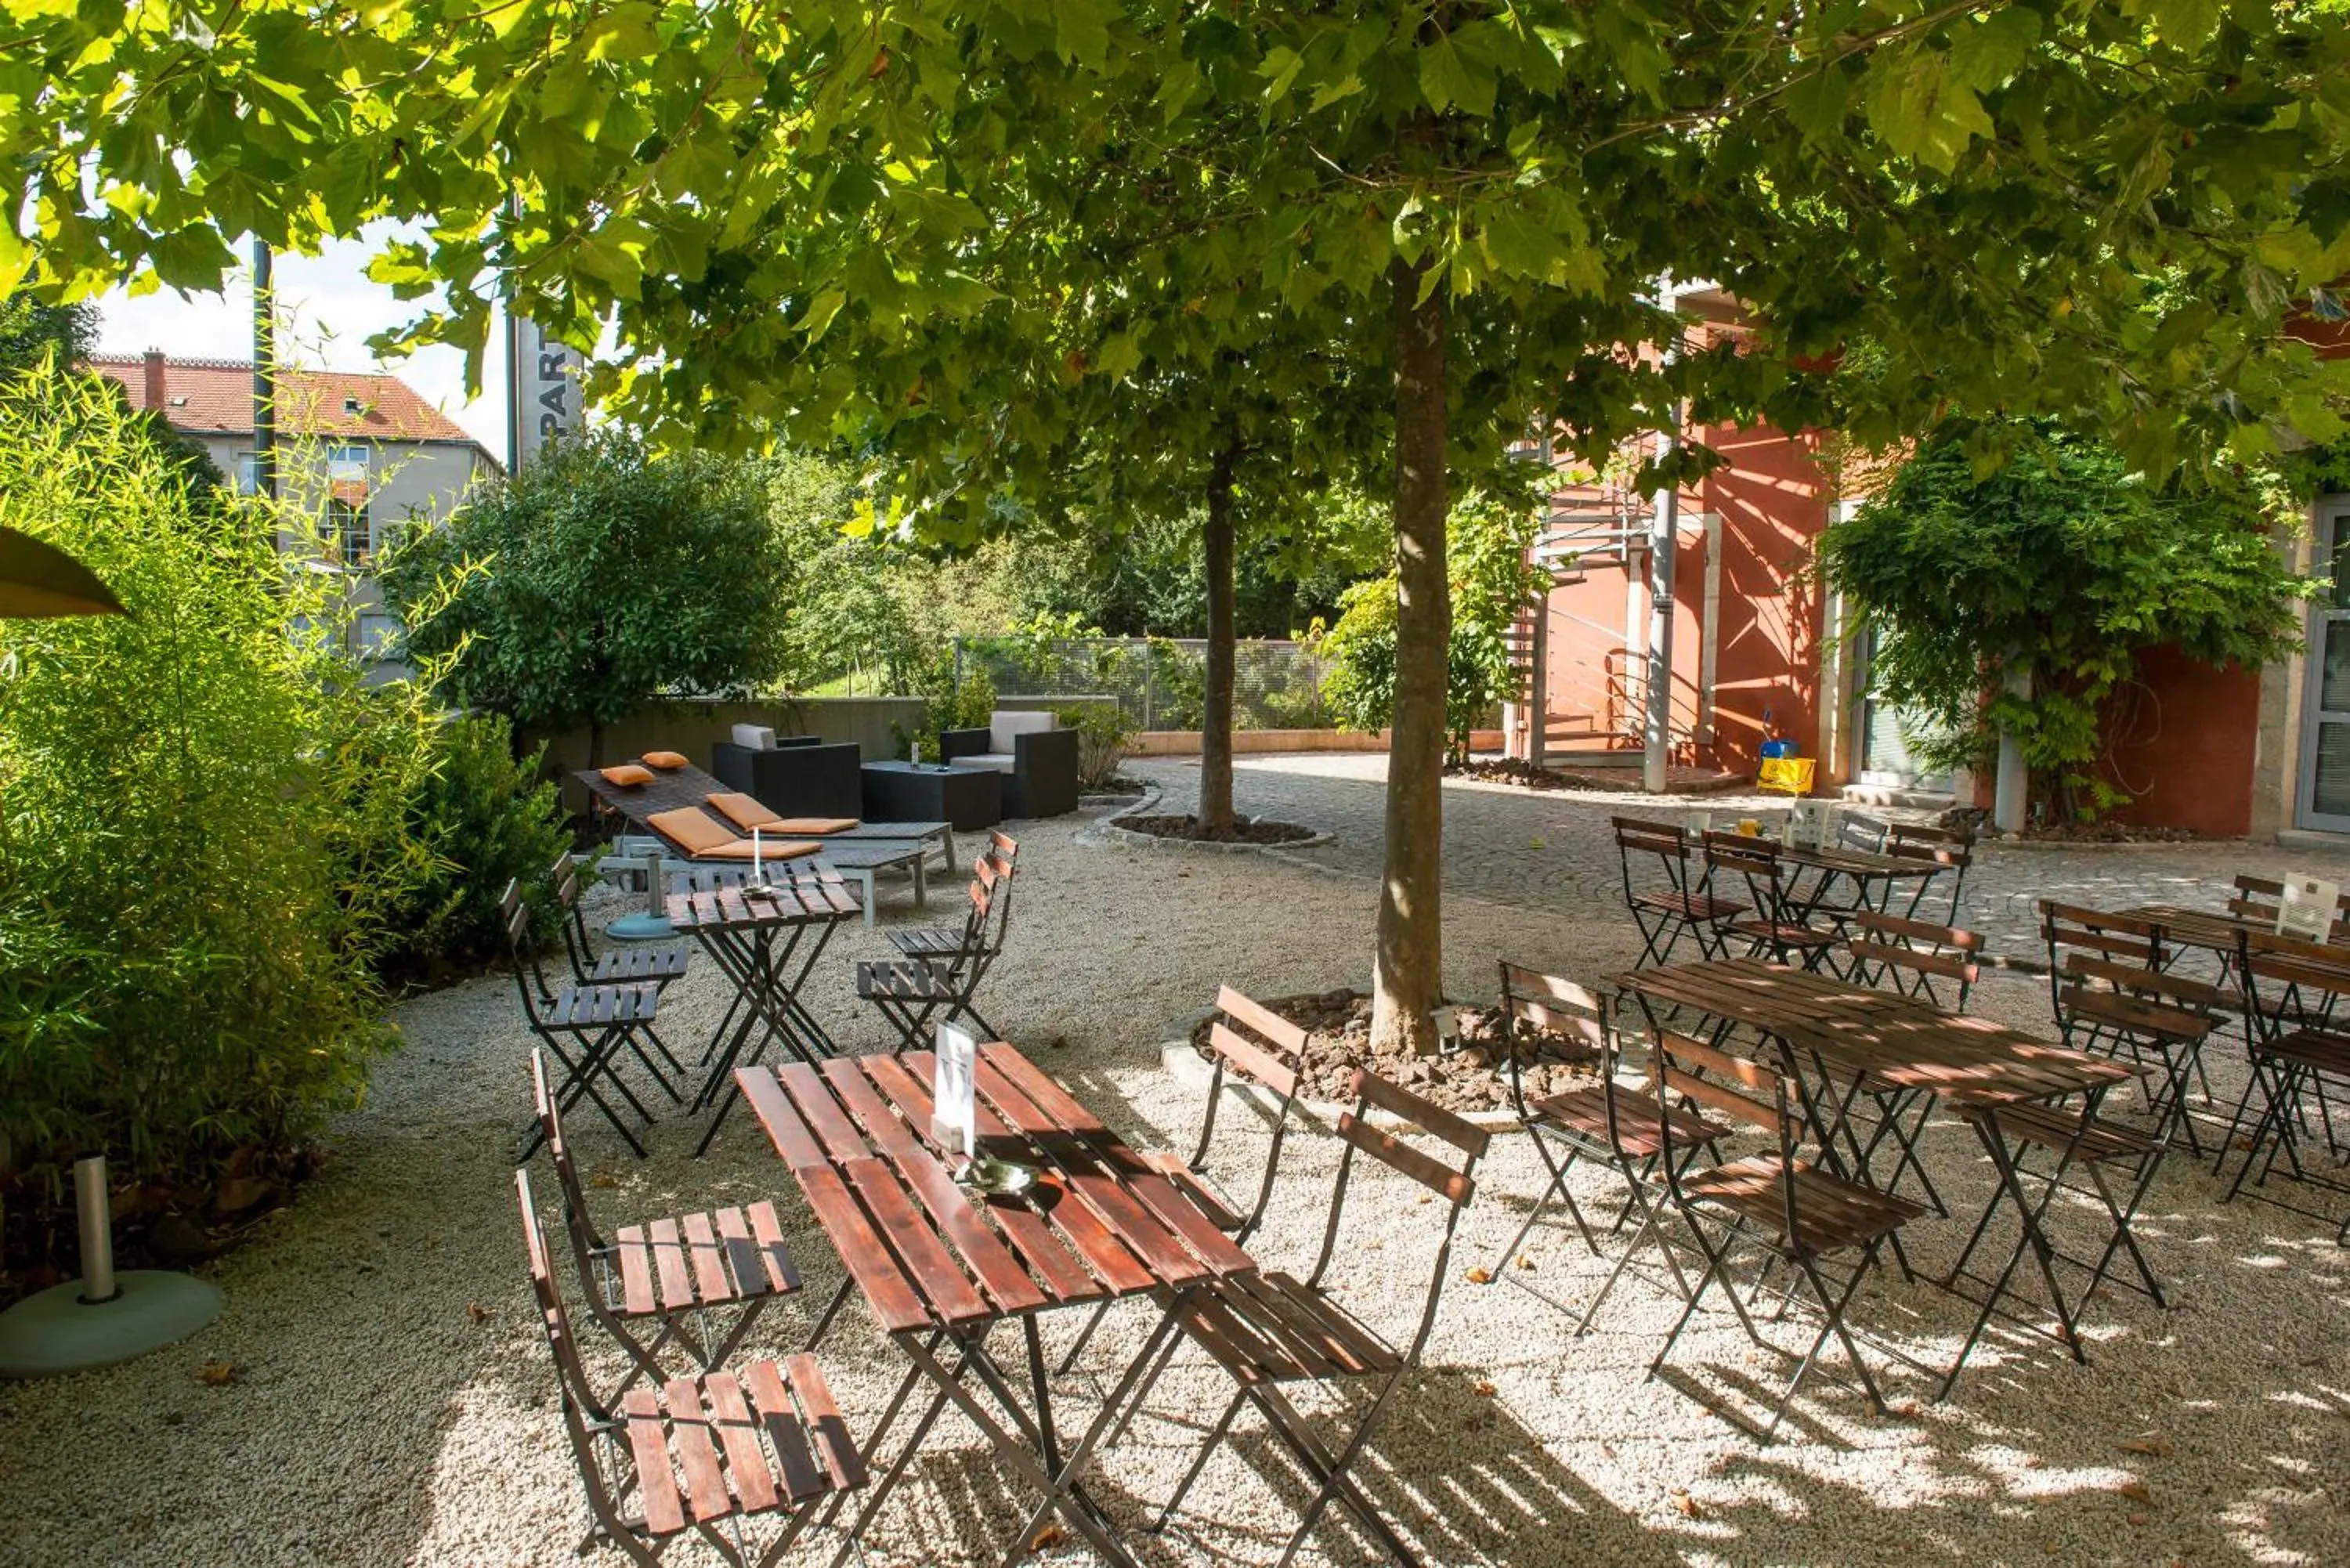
{"points": [[347, 533], [249, 472], [378, 636], [346, 465]]}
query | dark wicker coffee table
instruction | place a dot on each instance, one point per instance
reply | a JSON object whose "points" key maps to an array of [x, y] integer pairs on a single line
{"points": [[968, 798]]}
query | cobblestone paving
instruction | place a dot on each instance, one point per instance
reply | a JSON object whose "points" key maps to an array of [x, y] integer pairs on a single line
{"points": [[1555, 852]]}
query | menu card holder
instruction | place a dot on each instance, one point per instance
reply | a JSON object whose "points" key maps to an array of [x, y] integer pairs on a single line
{"points": [[2307, 912], [954, 1112]]}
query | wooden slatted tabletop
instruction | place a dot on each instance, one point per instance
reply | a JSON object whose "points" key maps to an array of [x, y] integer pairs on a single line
{"points": [[2209, 929], [1100, 1223], [1863, 863], [1895, 1039], [794, 897]]}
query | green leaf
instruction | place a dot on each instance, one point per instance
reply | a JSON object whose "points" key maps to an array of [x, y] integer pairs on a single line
{"points": [[1818, 102], [1082, 30], [1985, 53], [820, 312], [1449, 79]]}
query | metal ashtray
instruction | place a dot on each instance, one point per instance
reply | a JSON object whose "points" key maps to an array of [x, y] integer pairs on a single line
{"points": [[997, 1178]]}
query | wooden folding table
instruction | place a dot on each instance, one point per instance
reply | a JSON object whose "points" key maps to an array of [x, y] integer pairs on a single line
{"points": [[941, 1265]]}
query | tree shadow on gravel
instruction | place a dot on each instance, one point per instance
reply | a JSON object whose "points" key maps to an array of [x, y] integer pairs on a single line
{"points": [[1447, 1466]]}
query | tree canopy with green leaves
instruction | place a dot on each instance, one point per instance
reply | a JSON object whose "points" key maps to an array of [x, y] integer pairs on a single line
{"points": [[2096, 209], [2061, 565], [599, 579]]}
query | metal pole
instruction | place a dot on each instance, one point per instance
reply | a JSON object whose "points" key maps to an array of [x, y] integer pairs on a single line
{"points": [[1664, 524], [95, 1209], [265, 370]]}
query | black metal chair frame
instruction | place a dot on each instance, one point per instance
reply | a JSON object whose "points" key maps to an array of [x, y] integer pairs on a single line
{"points": [[947, 943], [621, 963], [1530, 999], [2111, 994], [911, 994], [1272, 1062], [1952, 848], [612, 1440], [1913, 958], [2293, 1050], [1328, 1470], [753, 1272], [1756, 862], [1736, 1088], [2075, 1137], [597, 1021], [1685, 907]]}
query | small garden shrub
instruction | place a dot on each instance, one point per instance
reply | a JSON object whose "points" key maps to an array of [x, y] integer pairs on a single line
{"points": [[1103, 734], [485, 816]]}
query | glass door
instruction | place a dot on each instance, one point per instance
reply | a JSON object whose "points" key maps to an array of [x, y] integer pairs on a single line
{"points": [[2324, 796]]}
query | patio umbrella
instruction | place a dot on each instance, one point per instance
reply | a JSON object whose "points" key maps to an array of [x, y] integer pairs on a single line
{"points": [[38, 580]]}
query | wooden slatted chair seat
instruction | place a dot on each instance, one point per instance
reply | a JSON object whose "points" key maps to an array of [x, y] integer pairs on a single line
{"points": [[2138, 1015], [1783, 933], [1830, 1213], [1584, 1111], [902, 977], [720, 1258], [1274, 1328], [627, 965], [572, 1006], [1690, 905], [670, 1271], [737, 1444], [2053, 1128], [691, 1453], [2320, 1049]]}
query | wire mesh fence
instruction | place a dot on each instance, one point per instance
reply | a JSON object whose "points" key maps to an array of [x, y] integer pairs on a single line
{"points": [[1158, 683]]}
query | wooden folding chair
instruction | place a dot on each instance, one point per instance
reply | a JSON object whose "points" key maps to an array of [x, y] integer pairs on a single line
{"points": [[1268, 1057], [619, 963], [1777, 927], [699, 1456], [1936, 964], [2112, 995], [680, 1276], [1950, 848], [1603, 1121], [2296, 1053], [1672, 902], [1272, 1331], [946, 943], [1795, 1210], [2077, 1142], [910, 992], [584, 1026]]}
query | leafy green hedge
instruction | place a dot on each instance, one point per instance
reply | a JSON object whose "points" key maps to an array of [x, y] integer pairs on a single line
{"points": [[214, 836]]}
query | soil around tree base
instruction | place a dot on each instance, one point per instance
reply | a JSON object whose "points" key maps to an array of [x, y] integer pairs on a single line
{"points": [[1474, 1077], [1244, 830]]}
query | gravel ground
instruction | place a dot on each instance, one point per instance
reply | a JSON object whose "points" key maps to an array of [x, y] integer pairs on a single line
{"points": [[393, 1404]]}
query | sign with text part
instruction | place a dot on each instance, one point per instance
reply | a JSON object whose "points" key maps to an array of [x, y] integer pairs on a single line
{"points": [[542, 390]]}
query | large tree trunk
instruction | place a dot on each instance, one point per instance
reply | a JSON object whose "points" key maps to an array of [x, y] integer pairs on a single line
{"points": [[1216, 713], [1408, 970]]}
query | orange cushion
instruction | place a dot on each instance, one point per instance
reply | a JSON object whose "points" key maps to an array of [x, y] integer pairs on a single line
{"points": [[746, 813], [664, 759], [774, 849], [818, 825], [693, 829], [627, 774]]}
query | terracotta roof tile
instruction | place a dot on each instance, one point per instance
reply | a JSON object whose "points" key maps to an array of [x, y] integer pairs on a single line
{"points": [[215, 397]]}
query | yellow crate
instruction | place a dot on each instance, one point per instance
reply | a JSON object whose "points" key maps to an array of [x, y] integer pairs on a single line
{"points": [[1790, 775]]}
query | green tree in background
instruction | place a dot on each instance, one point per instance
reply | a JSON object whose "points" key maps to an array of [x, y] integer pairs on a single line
{"points": [[2096, 210], [606, 577], [2061, 565], [1486, 541]]}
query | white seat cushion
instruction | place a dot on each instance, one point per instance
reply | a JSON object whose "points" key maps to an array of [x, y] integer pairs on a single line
{"points": [[1002, 726], [1002, 762]]}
